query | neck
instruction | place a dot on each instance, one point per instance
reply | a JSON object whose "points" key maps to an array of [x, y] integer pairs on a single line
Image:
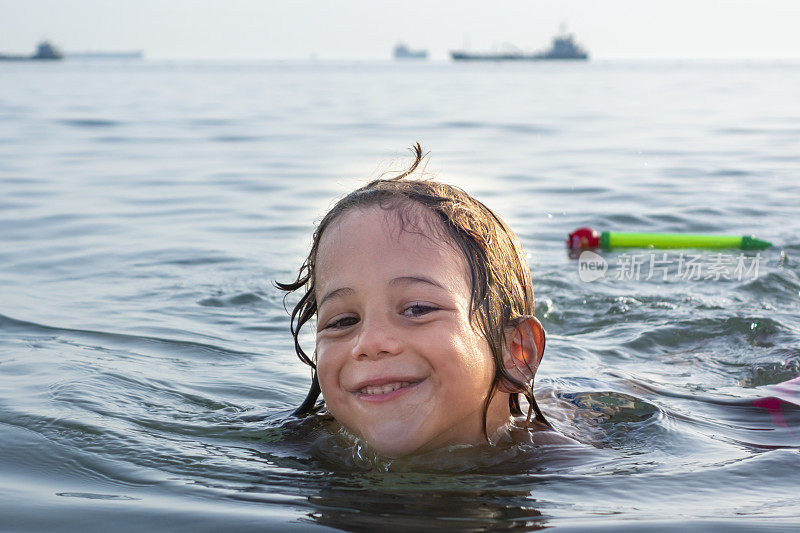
{"points": [[498, 415]]}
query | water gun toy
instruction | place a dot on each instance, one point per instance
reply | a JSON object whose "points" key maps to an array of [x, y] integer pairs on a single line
{"points": [[583, 238]]}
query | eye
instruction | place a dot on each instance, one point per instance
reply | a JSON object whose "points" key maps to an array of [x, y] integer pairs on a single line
{"points": [[418, 309], [342, 323]]}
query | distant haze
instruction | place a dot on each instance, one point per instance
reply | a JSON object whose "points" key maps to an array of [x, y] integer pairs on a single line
{"points": [[361, 29]]}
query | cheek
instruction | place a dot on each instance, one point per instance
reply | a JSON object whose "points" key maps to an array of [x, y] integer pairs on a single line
{"points": [[478, 349], [327, 369], [476, 364]]}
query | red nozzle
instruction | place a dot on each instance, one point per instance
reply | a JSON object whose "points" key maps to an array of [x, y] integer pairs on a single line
{"points": [[583, 238]]}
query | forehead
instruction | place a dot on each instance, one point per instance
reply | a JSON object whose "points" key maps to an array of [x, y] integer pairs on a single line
{"points": [[376, 242]]}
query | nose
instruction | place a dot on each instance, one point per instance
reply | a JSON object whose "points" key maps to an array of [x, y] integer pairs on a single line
{"points": [[377, 338]]}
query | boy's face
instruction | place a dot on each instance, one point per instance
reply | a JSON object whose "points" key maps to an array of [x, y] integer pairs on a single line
{"points": [[397, 360]]}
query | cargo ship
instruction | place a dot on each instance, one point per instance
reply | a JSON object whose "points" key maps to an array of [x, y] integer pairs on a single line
{"points": [[102, 55], [564, 47], [401, 51], [44, 52]]}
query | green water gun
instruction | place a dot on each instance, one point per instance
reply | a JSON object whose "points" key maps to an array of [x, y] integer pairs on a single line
{"points": [[583, 238]]}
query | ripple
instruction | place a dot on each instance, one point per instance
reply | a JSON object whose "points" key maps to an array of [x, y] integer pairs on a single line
{"points": [[213, 122], [518, 128], [95, 496], [756, 331], [730, 172], [794, 132], [191, 257], [90, 123], [238, 138], [146, 344], [237, 300], [775, 285]]}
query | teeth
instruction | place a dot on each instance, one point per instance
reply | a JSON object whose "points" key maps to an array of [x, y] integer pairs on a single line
{"points": [[385, 389]]}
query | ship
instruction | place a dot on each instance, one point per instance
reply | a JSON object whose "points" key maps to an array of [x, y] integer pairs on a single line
{"points": [[44, 51], [564, 47], [401, 51], [104, 55]]}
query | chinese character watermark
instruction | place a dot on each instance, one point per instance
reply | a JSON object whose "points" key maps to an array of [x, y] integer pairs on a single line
{"points": [[663, 267]]}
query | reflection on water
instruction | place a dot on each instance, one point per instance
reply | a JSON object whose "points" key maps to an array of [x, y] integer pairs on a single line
{"points": [[146, 371], [424, 503]]}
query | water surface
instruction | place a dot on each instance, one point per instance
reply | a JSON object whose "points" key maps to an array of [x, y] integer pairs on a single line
{"points": [[146, 370]]}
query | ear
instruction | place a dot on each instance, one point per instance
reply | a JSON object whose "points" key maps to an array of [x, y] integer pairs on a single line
{"points": [[525, 340]]}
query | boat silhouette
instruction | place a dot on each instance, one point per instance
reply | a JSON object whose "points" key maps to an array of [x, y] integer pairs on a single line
{"points": [[401, 51], [44, 51], [563, 47]]}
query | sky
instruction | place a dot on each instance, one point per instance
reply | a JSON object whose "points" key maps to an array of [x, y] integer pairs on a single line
{"points": [[368, 29]]}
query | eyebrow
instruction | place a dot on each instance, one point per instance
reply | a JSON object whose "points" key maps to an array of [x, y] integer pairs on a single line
{"points": [[406, 280], [402, 280], [336, 293]]}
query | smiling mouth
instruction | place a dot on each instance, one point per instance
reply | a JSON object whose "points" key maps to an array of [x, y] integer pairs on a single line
{"points": [[386, 391]]}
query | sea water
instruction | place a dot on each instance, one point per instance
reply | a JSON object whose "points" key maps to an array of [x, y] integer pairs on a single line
{"points": [[147, 373]]}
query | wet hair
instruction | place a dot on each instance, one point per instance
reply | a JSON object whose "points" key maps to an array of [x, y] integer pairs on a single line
{"points": [[501, 286]]}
